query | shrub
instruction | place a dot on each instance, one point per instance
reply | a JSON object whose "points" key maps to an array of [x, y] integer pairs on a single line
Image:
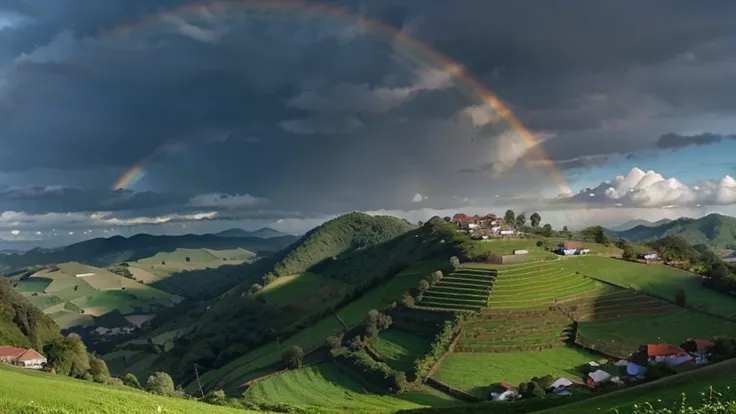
{"points": [[681, 297], [187, 259], [97, 366], [376, 323], [439, 347], [254, 288], [454, 262], [160, 383], [435, 277], [293, 357], [355, 344], [269, 278], [407, 300], [131, 381], [423, 286]]}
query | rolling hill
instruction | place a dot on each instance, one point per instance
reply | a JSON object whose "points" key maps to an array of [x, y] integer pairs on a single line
{"points": [[635, 223], [717, 232], [264, 233], [117, 249]]}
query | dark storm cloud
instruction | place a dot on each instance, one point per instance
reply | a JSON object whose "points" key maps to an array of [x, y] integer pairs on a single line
{"points": [[673, 140], [39, 200], [323, 117]]}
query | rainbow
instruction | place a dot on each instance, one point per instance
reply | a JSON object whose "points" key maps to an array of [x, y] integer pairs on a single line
{"points": [[416, 51]]}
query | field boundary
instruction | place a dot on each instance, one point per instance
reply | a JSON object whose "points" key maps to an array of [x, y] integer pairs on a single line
{"points": [[450, 349], [668, 300], [451, 391]]}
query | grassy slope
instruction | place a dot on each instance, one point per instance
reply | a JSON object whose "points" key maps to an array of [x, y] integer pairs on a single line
{"points": [[247, 367], [507, 246], [400, 349], [475, 372], [325, 386], [22, 324], [669, 390], [25, 391], [655, 279], [300, 288]]}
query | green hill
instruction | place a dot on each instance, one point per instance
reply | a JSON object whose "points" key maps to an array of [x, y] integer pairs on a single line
{"points": [[103, 252], [26, 391], [715, 231], [21, 323]]}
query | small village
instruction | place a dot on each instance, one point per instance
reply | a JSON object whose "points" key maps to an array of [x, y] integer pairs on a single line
{"points": [[613, 372]]}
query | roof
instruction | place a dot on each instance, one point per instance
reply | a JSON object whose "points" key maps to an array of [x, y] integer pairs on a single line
{"points": [[31, 355], [655, 350], [11, 351], [703, 344]]}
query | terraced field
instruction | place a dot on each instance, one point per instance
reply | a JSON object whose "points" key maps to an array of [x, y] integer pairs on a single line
{"points": [[467, 288], [502, 332], [618, 322], [399, 349], [537, 286], [325, 386]]}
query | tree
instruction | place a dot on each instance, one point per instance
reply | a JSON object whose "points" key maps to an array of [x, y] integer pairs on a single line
{"points": [[131, 381], [423, 286], [254, 288], [680, 297], [407, 300], [435, 277], [454, 262], [293, 357], [628, 252], [535, 219], [520, 221], [160, 383], [540, 243], [509, 217], [596, 234], [97, 366], [163, 263], [547, 230], [376, 323], [187, 259], [68, 356]]}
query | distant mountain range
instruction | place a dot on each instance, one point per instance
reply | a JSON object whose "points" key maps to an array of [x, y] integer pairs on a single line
{"points": [[103, 252], [636, 223], [264, 233], [714, 231]]}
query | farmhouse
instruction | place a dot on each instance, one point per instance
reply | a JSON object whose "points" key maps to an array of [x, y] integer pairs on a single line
{"points": [[570, 248], [649, 256], [669, 354], [519, 252], [26, 358]]}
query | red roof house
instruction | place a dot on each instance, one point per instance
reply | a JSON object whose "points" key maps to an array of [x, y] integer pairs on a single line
{"points": [[10, 353], [29, 358], [703, 344], [664, 350]]}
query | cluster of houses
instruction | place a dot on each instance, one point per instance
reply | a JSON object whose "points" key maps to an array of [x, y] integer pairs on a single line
{"points": [[630, 370], [483, 227], [571, 248], [26, 358]]}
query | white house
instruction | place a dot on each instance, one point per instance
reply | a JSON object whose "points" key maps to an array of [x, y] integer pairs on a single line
{"points": [[650, 256], [472, 225], [26, 358], [521, 252], [85, 274], [508, 232]]}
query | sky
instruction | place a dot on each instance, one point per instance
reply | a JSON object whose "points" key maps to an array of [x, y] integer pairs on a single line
{"points": [[176, 116]]}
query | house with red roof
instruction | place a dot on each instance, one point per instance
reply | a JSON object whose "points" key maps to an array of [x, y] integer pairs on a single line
{"points": [[27, 358], [667, 353]]}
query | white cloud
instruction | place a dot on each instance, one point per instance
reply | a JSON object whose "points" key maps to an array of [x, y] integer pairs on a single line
{"points": [[418, 198], [480, 115], [650, 189], [193, 31], [216, 200], [104, 219], [15, 232]]}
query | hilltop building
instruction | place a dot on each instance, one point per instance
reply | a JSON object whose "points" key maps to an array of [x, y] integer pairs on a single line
{"points": [[26, 358]]}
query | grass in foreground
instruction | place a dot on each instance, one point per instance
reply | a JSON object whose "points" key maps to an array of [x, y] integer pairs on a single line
{"points": [[475, 372], [655, 279], [23, 391], [324, 386]]}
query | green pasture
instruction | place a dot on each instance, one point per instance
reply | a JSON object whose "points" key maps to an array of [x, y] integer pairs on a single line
{"points": [[400, 349]]}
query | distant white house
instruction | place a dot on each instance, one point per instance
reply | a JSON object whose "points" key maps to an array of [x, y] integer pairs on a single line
{"points": [[521, 252], [85, 274], [507, 232], [649, 256], [472, 225]]}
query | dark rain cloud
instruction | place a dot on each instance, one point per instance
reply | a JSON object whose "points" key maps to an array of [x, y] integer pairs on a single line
{"points": [[318, 116], [673, 140]]}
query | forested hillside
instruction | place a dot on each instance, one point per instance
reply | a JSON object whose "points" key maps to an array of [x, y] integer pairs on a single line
{"points": [[714, 231], [346, 256], [22, 324]]}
